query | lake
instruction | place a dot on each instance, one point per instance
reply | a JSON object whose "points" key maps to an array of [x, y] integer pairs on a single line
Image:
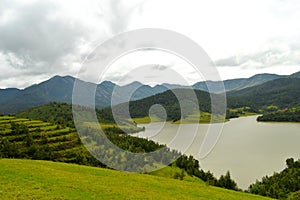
{"points": [[247, 148]]}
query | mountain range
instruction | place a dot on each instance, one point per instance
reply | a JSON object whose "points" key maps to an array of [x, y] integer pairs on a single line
{"points": [[59, 89], [281, 93]]}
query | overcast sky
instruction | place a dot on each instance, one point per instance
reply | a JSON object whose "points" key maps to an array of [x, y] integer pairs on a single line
{"points": [[43, 38]]}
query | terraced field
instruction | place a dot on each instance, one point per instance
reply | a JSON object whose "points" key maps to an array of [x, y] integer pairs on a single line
{"points": [[25, 138]]}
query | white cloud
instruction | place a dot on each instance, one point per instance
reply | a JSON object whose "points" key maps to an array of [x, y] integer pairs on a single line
{"points": [[44, 38], [151, 67]]}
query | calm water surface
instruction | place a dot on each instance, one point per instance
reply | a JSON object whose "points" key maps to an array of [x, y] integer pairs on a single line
{"points": [[248, 149]]}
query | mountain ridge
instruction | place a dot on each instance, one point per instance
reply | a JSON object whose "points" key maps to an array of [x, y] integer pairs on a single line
{"points": [[60, 88]]}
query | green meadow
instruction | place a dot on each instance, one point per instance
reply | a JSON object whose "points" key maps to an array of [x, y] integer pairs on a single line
{"points": [[29, 179]]}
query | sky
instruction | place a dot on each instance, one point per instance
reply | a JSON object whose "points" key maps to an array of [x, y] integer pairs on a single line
{"points": [[40, 39]]}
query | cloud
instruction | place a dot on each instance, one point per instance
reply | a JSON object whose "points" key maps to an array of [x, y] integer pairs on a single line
{"points": [[44, 38], [34, 43], [230, 61], [118, 15], [34, 37], [159, 67], [280, 54]]}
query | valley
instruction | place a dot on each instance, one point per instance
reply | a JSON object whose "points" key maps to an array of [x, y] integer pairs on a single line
{"points": [[37, 123]]}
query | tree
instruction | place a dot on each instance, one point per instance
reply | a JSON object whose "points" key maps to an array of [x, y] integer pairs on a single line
{"points": [[227, 182], [290, 162]]}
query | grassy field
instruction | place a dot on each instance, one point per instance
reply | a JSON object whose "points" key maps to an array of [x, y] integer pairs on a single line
{"points": [[146, 120], [28, 179], [126, 126], [203, 118], [242, 112]]}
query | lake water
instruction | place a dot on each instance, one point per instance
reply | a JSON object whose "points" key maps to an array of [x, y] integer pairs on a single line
{"points": [[248, 149]]}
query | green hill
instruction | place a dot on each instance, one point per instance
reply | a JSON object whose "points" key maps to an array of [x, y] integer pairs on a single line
{"points": [[27, 179], [177, 103], [282, 93]]}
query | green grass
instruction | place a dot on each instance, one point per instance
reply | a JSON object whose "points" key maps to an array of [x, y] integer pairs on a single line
{"points": [[170, 172], [105, 126], [146, 120], [242, 111], [205, 118], [27, 179], [246, 114]]}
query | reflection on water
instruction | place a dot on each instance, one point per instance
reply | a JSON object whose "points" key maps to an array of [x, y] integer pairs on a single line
{"points": [[248, 149]]}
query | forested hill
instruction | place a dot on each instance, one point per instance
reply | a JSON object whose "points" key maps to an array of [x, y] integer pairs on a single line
{"points": [[280, 92], [169, 101], [285, 115]]}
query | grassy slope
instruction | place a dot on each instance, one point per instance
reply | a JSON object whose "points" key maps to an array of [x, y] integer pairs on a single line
{"points": [[203, 118], [27, 179]]}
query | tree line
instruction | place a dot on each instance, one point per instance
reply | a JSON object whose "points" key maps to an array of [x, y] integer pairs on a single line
{"points": [[283, 185]]}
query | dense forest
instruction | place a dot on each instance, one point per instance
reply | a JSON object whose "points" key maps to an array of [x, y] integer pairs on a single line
{"points": [[283, 185]]}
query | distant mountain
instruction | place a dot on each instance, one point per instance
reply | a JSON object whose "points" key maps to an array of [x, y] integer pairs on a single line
{"points": [[6, 94], [237, 84], [295, 75], [59, 89], [55, 89], [137, 90], [284, 92]]}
